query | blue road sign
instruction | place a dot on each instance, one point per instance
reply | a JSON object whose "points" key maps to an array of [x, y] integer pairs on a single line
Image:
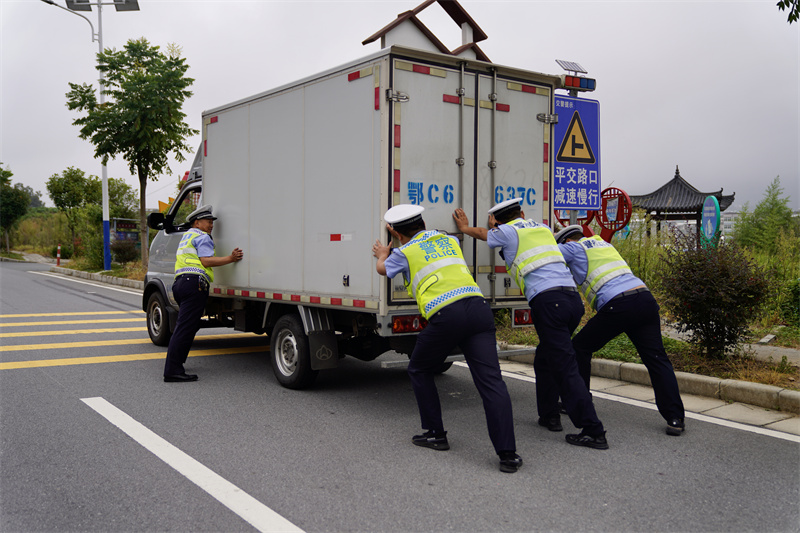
{"points": [[710, 219], [576, 172]]}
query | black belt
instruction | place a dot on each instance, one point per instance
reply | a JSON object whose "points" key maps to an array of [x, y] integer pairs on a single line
{"points": [[562, 289], [630, 293]]}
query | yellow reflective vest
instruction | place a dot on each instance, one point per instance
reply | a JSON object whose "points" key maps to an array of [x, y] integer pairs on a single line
{"points": [[439, 274], [605, 264], [537, 247], [187, 261]]}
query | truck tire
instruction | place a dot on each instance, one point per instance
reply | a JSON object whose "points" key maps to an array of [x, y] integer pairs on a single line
{"points": [[158, 320], [289, 354]]}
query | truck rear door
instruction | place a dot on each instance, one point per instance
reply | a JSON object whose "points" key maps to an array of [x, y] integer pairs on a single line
{"points": [[455, 145]]}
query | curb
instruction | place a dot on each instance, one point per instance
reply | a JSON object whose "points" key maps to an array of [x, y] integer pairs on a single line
{"points": [[729, 390], [130, 283]]}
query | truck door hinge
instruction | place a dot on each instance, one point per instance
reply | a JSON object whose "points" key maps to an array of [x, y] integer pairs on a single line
{"points": [[460, 161], [492, 164], [547, 119], [396, 96]]}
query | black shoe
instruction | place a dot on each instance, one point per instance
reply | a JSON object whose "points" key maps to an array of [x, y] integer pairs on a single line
{"points": [[553, 423], [509, 462], [180, 378], [675, 427], [429, 439], [597, 442]]}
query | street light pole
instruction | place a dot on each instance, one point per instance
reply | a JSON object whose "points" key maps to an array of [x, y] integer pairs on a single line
{"points": [[85, 5]]}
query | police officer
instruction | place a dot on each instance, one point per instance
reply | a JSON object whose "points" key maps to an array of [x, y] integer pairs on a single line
{"points": [[193, 273], [533, 259], [623, 304], [436, 275]]}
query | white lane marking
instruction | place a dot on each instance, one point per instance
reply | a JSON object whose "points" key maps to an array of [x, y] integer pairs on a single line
{"points": [[695, 416], [99, 285], [248, 508]]}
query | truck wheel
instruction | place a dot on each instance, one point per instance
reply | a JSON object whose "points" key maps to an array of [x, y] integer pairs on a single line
{"points": [[289, 354], [158, 320]]}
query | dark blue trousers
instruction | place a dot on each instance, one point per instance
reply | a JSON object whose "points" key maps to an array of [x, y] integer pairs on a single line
{"points": [[191, 296], [556, 314], [637, 316], [468, 324]]}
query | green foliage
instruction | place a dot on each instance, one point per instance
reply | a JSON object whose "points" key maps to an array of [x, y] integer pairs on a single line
{"points": [[124, 251], [793, 6], [5, 175], [66, 251], [42, 229], [34, 196], [90, 224], [68, 192], [122, 200], [790, 306], [13, 205], [714, 292], [643, 253], [143, 122], [761, 229]]}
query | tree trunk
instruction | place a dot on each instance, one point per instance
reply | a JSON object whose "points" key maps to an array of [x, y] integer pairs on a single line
{"points": [[143, 218]]}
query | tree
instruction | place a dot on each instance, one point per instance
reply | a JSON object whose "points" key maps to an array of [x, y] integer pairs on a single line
{"points": [[793, 6], [5, 175], [68, 192], [761, 229], [13, 206], [121, 196], [143, 123], [34, 198]]}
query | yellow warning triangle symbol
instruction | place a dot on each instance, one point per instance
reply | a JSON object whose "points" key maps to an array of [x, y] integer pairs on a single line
{"points": [[575, 146]]}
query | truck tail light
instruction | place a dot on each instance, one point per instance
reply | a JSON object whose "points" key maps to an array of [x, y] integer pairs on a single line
{"points": [[522, 317], [408, 324]]}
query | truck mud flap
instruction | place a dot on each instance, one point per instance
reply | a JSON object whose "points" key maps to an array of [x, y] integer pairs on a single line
{"points": [[321, 338]]}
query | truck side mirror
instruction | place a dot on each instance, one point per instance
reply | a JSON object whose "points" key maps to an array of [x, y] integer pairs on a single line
{"points": [[155, 221]]}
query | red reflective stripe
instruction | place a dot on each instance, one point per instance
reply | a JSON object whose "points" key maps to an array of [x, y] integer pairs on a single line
{"points": [[396, 181], [336, 301], [231, 292], [336, 236], [546, 152], [422, 69], [451, 99], [377, 98], [359, 303], [261, 295], [315, 299], [500, 270], [277, 296], [397, 135], [545, 191], [217, 291], [205, 147], [503, 107], [354, 75], [295, 297], [245, 293], [213, 120], [529, 89], [546, 222]]}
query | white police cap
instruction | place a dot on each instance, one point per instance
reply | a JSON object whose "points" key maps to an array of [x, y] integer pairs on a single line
{"points": [[504, 206], [569, 231], [403, 214], [204, 211]]}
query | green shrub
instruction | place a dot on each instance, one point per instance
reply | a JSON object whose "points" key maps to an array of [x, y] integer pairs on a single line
{"points": [[790, 309], [124, 251], [66, 251], [713, 293]]}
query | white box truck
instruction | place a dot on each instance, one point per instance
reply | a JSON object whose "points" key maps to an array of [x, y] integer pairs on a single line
{"points": [[301, 175]]}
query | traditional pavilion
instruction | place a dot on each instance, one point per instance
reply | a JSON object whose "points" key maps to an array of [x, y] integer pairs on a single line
{"points": [[678, 200]]}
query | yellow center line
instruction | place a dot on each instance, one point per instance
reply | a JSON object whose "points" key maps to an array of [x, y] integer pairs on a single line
{"points": [[132, 312], [15, 365], [109, 342], [67, 332], [60, 322]]}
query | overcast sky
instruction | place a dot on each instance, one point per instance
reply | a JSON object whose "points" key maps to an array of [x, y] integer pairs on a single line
{"points": [[709, 86]]}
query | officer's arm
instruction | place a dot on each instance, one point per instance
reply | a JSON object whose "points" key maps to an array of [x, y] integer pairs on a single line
{"points": [[213, 261], [463, 226]]}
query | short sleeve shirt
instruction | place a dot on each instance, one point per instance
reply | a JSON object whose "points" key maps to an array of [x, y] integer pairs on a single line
{"points": [[548, 276], [204, 245], [578, 263]]}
